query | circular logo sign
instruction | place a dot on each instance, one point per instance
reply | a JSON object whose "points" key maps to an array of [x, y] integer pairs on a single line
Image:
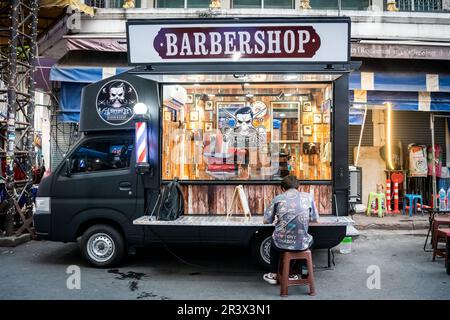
{"points": [[115, 102]]}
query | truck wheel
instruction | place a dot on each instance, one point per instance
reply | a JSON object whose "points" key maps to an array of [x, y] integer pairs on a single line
{"points": [[261, 249], [102, 246]]}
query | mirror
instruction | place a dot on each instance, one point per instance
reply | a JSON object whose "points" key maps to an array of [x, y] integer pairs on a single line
{"points": [[285, 123]]}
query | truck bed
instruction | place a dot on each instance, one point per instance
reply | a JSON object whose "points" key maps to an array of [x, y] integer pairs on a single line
{"points": [[238, 221]]}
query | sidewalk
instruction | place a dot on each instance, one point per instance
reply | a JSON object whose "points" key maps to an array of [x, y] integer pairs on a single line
{"points": [[391, 222]]}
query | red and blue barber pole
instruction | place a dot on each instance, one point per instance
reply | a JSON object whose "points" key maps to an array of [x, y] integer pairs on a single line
{"points": [[141, 144], [141, 137]]}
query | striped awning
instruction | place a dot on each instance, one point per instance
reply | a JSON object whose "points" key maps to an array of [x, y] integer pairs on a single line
{"points": [[404, 91]]}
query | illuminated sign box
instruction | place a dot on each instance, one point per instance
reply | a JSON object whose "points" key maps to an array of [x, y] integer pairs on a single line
{"points": [[254, 40]]}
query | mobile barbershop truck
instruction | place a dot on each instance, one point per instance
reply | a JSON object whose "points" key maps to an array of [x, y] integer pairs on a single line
{"points": [[216, 104]]}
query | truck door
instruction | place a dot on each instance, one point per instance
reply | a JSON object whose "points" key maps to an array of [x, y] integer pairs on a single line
{"points": [[101, 183]]}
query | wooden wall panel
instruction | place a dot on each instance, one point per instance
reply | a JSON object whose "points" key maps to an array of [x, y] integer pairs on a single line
{"points": [[216, 199]]}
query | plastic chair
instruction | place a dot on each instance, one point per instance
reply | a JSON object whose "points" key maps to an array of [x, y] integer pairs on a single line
{"points": [[379, 198], [413, 203]]}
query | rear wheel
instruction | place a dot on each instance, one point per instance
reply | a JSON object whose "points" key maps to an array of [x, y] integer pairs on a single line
{"points": [[261, 249], [102, 246]]}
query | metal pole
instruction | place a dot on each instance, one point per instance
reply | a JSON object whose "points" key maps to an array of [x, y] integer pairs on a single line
{"points": [[433, 162], [11, 124], [361, 136], [31, 92]]}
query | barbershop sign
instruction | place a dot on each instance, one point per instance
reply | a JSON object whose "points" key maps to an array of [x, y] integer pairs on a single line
{"points": [[155, 42]]}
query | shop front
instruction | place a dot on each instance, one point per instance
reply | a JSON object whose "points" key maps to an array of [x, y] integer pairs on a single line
{"points": [[247, 102]]}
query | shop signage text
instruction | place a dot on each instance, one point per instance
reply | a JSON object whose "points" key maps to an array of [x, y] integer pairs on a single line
{"points": [[247, 42]]}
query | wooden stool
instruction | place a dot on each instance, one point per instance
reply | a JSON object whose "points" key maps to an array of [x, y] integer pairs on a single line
{"points": [[284, 271], [437, 222]]}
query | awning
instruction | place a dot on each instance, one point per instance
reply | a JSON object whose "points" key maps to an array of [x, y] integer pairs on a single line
{"points": [[73, 80], [389, 81], [404, 91]]}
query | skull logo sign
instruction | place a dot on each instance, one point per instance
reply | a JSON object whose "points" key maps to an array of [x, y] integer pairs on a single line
{"points": [[117, 95], [115, 102], [244, 133]]}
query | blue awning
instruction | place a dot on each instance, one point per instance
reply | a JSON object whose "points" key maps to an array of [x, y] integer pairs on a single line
{"points": [[390, 81], [404, 91], [73, 80], [83, 74]]}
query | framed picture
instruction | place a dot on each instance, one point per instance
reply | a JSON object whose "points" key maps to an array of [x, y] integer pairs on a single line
{"points": [[326, 118], [317, 118], [209, 105], [208, 126], [167, 116], [307, 130], [307, 106], [326, 106], [193, 116], [190, 98], [226, 112]]}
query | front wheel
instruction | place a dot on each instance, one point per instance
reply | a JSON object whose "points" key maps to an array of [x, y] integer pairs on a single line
{"points": [[102, 246], [261, 249]]}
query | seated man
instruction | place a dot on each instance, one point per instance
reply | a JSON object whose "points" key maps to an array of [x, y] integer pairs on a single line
{"points": [[292, 210]]}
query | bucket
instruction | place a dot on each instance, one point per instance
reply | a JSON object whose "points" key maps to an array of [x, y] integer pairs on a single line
{"points": [[346, 245]]}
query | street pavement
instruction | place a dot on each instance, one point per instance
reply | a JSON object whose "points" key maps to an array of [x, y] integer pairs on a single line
{"points": [[37, 270]]}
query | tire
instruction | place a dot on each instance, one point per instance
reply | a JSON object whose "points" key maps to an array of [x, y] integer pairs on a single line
{"points": [[102, 246], [260, 248]]}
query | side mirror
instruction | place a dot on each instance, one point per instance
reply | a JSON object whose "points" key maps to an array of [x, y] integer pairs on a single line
{"points": [[68, 172]]}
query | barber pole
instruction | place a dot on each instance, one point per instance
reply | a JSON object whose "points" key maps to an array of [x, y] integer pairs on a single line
{"points": [[388, 196], [396, 198], [141, 143]]}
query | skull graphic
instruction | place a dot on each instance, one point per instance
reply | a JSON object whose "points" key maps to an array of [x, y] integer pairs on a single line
{"points": [[117, 94], [244, 119]]}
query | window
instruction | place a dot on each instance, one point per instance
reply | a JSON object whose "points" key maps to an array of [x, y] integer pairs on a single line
{"points": [[183, 3], [102, 155], [269, 4], [345, 4], [246, 131], [247, 4], [110, 3]]}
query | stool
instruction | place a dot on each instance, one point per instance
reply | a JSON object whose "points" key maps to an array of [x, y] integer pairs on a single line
{"points": [[437, 222], [412, 203], [443, 233], [379, 198], [285, 268]]}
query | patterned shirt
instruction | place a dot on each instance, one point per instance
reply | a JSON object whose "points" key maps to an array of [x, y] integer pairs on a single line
{"points": [[293, 210]]}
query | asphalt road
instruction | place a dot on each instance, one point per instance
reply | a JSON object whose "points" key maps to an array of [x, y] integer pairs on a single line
{"points": [[37, 270]]}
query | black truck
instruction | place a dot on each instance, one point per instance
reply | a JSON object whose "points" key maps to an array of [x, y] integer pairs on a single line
{"points": [[106, 197]]}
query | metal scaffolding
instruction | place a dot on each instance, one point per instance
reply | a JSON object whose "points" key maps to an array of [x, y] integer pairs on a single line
{"points": [[18, 45]]}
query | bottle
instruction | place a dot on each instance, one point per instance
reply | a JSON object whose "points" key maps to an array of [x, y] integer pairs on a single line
{"points": [[442, 195], [346, 245], [448, 199]]}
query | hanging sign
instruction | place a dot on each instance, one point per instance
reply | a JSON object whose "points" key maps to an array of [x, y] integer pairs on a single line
{"points": [[297, 40]]}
